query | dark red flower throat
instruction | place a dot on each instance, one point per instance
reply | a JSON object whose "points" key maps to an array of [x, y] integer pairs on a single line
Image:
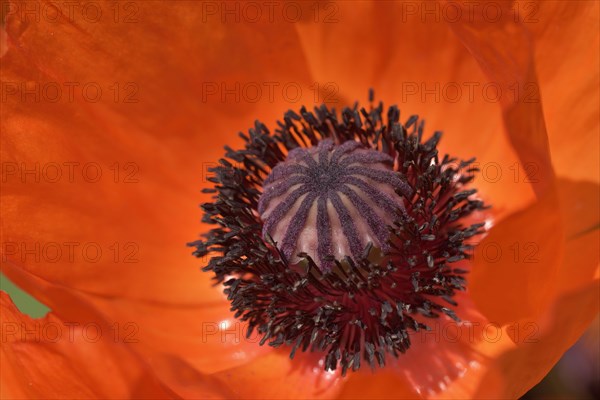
{"points": [[340, 235]]}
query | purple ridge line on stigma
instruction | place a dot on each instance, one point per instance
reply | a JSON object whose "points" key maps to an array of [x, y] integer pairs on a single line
{"points": [[343, 149], [297, 224], [309, 160], [284, 171], [381, 199], [377, 225], [362, 158], [348, 226], [283, 208], [378, 175], [281, 188], [323, 233]]}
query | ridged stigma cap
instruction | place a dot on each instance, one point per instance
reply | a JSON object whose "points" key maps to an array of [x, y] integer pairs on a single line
{"points": [[331, 201]]}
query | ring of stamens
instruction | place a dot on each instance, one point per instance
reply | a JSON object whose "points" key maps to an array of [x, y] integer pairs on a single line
{"points": [[363, 305]]}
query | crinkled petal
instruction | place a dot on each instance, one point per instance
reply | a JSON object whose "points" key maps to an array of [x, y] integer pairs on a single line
{"points": [[513, 373], [56, 358], [275, 376], [205, 337], [566, 36], [100, 187], [533, 256], [152, 147], [516, 265], [504, 50]]}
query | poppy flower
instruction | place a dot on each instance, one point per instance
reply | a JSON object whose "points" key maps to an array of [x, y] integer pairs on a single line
{"points": [[115, 116]]}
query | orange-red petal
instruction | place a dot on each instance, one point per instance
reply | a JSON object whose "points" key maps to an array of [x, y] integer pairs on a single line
{"points": [[55, 358], [515, 267], [152, 135], [566, 36], [153, 143], [275, 376], [516, 371]]}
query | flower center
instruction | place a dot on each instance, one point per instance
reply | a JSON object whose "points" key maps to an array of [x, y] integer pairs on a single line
{"points": [[330, 202], [376, 220]]}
